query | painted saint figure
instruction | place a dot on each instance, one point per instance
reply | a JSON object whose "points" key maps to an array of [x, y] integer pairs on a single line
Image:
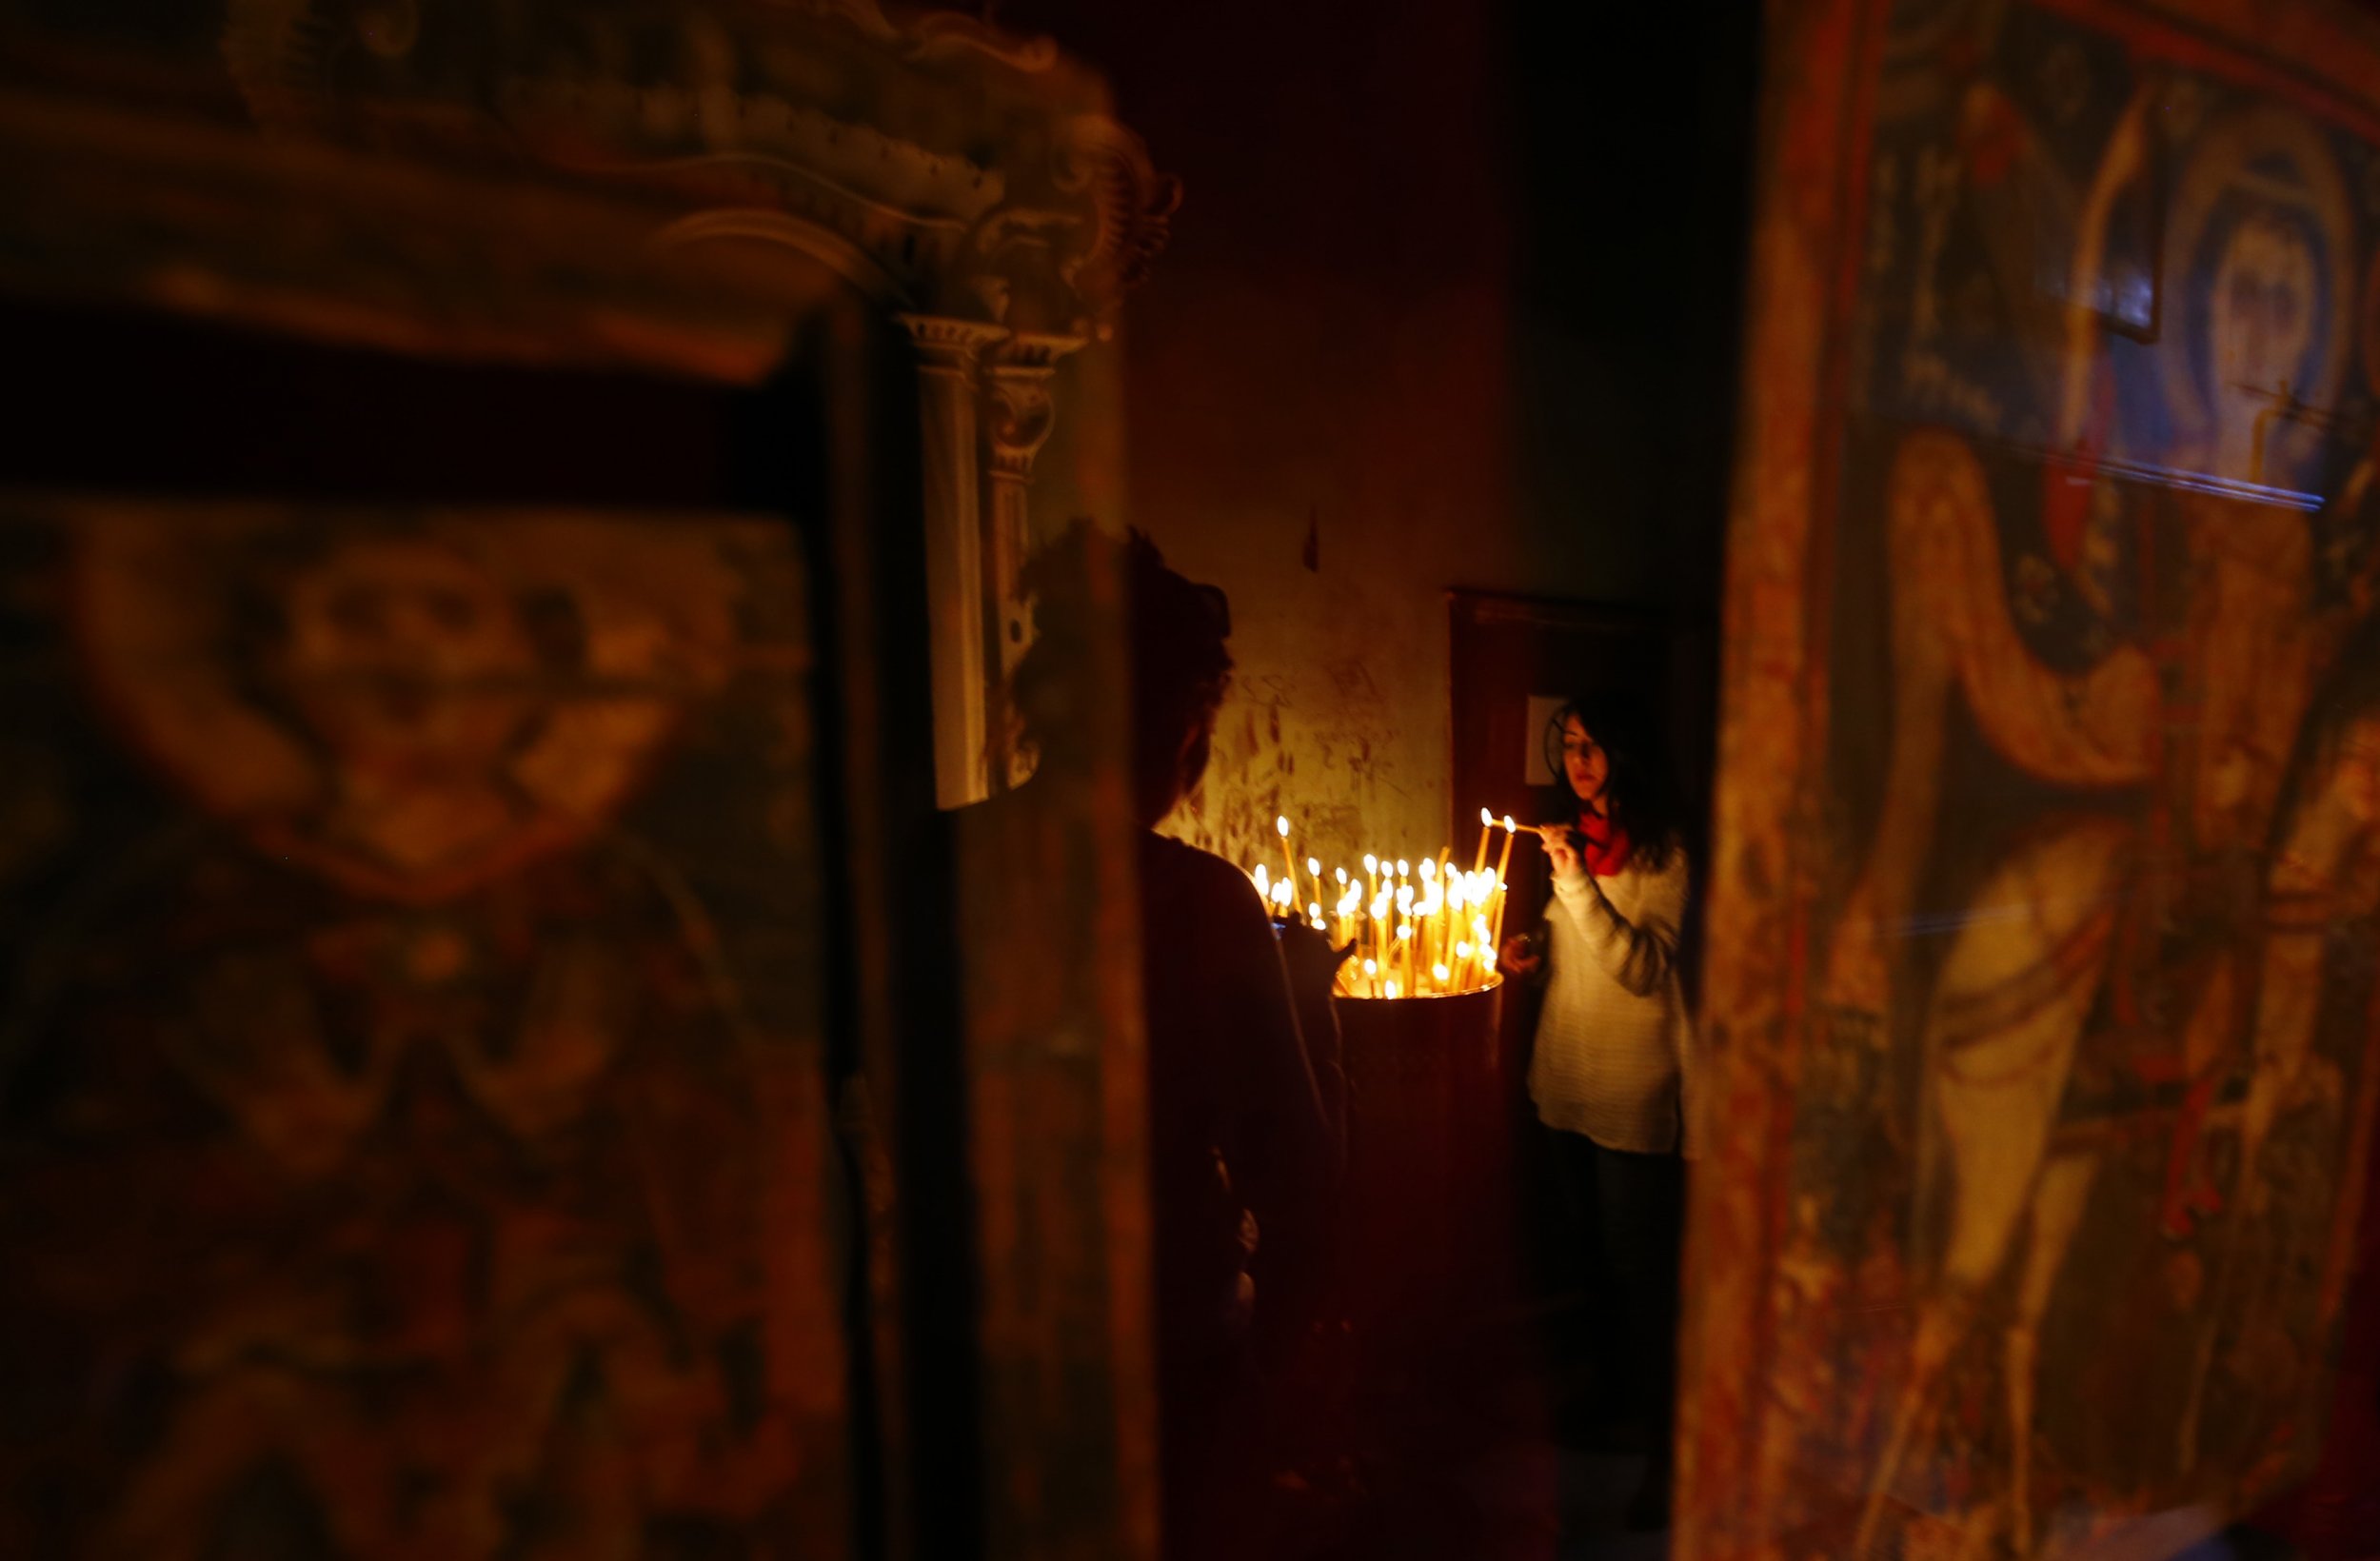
{"points": [[2121, 948], [408, 1124]]}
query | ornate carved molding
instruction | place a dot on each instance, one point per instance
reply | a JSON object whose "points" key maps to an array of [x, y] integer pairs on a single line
{"points": [[961, 173], [1016, 385], [949, 345], [1134, 203]]}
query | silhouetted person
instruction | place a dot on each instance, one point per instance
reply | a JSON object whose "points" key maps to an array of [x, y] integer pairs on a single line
{"points": [[1245, 1122]]}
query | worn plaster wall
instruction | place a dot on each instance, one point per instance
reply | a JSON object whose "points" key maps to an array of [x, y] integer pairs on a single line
{"points": [[1449, 303]]}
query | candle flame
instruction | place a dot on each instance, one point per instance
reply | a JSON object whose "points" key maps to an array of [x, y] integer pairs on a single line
{"points": [[1404, 936]]}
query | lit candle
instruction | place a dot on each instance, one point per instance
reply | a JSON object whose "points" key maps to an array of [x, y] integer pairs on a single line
{"points": [[1433, 919], [1280, 822], [1502, 889], [1314, 870], [1487, 821]]}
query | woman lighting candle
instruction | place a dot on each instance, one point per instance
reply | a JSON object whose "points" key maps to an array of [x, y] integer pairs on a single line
{"points": [[1610, 1072]]}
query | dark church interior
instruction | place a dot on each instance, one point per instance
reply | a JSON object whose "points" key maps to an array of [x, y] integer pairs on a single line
{"points": [[1051, 780]]}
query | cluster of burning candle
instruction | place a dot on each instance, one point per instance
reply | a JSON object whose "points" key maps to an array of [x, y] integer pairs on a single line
{"points": [[1424, 929]]}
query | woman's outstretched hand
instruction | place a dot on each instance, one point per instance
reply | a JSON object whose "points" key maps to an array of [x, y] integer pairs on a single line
{"points": [[1516, 960], [1562, 849]]}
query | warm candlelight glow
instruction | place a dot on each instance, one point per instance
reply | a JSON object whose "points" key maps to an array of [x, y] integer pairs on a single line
{"points": [[1406, 927]]}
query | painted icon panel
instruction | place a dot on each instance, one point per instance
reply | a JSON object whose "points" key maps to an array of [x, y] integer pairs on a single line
{"points": [[415, 1137], [2043, 937]]}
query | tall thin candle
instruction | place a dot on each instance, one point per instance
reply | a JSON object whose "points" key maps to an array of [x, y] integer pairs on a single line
{"points": [[1503, 891]]}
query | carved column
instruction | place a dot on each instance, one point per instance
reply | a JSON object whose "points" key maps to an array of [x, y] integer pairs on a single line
{"points": [[948, 353], [1017, 381]]}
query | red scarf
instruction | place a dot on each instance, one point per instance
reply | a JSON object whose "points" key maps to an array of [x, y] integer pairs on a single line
{"points": [[1603, 847]]}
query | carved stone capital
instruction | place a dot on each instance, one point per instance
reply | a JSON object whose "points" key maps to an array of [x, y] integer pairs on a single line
{"points": [[948, 345], [1020, 412]]}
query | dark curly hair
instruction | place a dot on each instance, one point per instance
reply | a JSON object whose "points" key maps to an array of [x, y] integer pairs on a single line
{"points": [[1174, 631], [1637, 788]]}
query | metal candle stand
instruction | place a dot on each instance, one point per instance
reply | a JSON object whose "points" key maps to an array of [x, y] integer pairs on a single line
{"points": [[1423, 1089]]}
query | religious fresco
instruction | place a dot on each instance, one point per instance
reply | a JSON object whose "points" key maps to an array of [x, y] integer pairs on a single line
{"points": [[2048, 872], [413, 1137]]}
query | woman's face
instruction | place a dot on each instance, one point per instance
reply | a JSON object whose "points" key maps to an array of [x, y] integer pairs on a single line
{"points": [[1584, 764]]}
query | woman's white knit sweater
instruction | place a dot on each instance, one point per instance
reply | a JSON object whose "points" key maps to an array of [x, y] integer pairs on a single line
{"points": [[1615, 1042]]}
